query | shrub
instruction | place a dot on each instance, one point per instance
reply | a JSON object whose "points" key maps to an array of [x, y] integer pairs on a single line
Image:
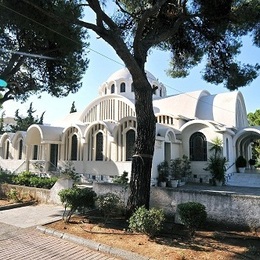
{"points": [[76, 199], [69, 172], [109, 204], [193, 215], [121, 179], [145, 221], [12, 195], [6, 177], [32, 180]]}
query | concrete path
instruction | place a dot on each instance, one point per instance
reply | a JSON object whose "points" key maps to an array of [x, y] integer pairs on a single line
{"points": [[19, 238]]}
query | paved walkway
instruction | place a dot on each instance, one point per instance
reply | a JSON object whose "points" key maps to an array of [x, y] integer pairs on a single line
{"points": [[19, 238]]}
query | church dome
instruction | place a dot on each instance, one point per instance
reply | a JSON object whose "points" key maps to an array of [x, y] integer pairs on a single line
{"points": [[120, 83]]}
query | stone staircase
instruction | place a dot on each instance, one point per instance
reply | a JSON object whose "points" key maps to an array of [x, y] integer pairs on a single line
{"points": [[248, 179]]}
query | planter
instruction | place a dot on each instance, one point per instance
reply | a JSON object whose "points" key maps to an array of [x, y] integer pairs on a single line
{"points": [[219, 183], [174, 183], [162, 184], [241, 169]]}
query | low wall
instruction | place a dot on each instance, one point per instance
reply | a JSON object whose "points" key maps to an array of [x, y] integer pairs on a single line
{"points": [[41, 195], [221, 207]]}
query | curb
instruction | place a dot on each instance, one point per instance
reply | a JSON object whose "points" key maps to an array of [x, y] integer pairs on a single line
{"points": [[93, 245], [17, 205]]}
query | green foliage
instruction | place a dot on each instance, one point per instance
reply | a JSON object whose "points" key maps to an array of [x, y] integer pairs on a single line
{"points": [[22, 123], [25, 28], [145, 221], [241, 161], [29, 179], [76, 199], [217, 167], [6, 177], [180, 168], [69, 172], [12, 195], [193, 215], [121, 179], [254, 120], [163, 171], [109, 204], [216, 162], [73, 108]]}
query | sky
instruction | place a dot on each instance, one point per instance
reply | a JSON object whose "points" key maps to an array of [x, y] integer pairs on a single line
{"points": [[104, 62]]}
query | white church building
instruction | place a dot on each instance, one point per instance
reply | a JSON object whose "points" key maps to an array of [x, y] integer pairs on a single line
{"points": [[99, 140]]}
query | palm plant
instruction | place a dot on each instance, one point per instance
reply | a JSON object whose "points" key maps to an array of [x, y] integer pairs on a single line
{"points": [[217, 163]]}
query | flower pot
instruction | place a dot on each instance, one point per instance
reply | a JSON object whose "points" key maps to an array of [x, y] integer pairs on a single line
{"points": [[163, 184], [219, 183], [241, 169], [174, 183]]}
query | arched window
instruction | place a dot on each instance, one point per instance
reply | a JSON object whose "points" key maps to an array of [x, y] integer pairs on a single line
{"points": [[20, 152], [74, 148], [122, 87], [113, 89], [7, 149], [198, 147], [105, 91], [227, 149], [132, 87], [160, 92], [130, 144], [35, 152], [99, 147]]}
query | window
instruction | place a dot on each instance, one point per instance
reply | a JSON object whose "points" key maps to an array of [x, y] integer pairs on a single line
{"points": [[74, 148], [198, 147], [132, 87], [227, 145], [99, 147], [35, 152], [113, 89], [7, 149], [130, 144], [122, 87], [20, 152]]}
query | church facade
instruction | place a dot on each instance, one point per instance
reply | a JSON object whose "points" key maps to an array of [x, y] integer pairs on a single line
{"points": [[99, 141]]}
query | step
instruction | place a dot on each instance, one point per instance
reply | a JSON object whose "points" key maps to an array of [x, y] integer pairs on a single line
{"points": [[244, 180]]}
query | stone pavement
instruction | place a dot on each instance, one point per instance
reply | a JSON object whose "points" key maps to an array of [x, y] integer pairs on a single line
{"points": [[19, 238]]}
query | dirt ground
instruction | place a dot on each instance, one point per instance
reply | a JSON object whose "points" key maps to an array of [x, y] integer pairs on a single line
{"points": [[4, 202], [173, 243]]}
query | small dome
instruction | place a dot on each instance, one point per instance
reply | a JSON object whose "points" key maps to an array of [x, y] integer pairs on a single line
{"points": [[125, 74], [120, 83], [120, 74]]}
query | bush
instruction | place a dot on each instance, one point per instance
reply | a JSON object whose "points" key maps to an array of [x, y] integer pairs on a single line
{"points": [[145, 221], [193, 215], [109, 204], [121, 179], [76, 199], [6, 177], [32, 180], [12, 195]]}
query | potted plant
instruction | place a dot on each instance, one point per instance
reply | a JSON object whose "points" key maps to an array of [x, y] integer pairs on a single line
{"points": [[217, 163], [252, 163], [176, 172], [217, 167], [241, 164], [163, 173]]}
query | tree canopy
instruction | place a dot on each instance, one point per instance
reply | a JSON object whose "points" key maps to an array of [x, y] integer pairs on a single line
{"points": [[191, 31], [39, 54], [23, 122]]}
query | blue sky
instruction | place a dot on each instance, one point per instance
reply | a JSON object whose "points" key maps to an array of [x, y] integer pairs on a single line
{"points": [[106, 62]]}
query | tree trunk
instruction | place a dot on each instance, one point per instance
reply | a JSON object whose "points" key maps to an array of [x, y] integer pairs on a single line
{"points": [[143, 156]]}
